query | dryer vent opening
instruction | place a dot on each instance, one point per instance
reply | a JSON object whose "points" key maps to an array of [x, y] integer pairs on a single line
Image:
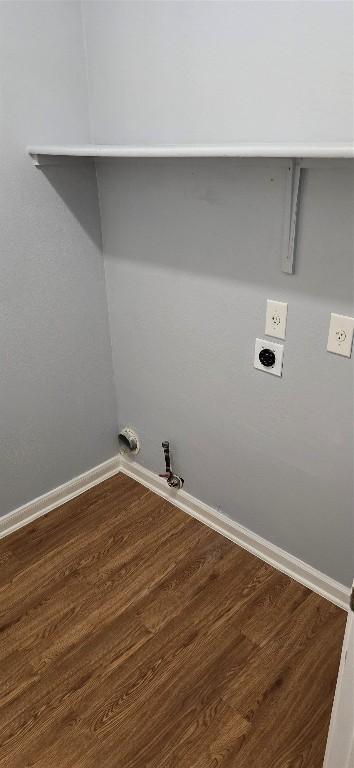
{"points": [[129, 441]]}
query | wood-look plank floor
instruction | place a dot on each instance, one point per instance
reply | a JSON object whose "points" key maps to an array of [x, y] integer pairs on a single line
{"points": [[133, 636]]}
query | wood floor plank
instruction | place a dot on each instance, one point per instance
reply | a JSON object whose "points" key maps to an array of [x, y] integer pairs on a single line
{"points": [[104, 502], [208, 738], [132, 635], [178, 698], [275, 608], [289, 702], [287, 648]]}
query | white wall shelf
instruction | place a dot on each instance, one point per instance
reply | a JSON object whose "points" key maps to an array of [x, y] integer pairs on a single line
{"points": [[297, 157], [330, 151]]}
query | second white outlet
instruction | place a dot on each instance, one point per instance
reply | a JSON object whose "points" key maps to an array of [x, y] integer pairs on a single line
{"points": [[340, 337], [276, 316]]}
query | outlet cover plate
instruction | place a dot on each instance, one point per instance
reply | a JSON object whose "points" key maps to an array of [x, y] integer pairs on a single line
{"points": [[278, 349], [340, 337], [276, 316]]}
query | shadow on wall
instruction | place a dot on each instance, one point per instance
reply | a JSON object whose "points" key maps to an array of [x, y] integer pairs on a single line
{"points": [[75, 183], [224, 218], [217, 217]]}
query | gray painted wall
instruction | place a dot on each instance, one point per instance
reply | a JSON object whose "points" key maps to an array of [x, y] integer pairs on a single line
{"points": [[57, 402], [192, 250], [203, 71]]}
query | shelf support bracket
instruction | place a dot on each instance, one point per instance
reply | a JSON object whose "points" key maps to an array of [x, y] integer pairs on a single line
{"points": [[291, 215]]}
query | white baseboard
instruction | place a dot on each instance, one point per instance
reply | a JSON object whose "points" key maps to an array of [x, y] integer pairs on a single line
{"points": [[280, 559], [43, 504], [302, 572]]}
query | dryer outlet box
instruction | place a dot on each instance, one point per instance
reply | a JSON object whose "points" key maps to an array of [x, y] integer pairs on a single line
{"points": [[268, 357]]}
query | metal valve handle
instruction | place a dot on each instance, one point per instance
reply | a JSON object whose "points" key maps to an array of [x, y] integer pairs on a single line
{"points": [[173, 481]]}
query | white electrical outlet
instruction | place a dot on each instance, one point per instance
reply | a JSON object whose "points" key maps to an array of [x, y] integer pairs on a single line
{"points": [[268, 357], [340, 337], [276, 318]]}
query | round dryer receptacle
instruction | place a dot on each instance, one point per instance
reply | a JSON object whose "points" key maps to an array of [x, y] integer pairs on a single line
{"points": [[267, 358]]}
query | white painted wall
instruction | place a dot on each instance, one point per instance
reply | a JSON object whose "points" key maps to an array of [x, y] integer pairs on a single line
{"points": [[201, 71], [57, 402]]}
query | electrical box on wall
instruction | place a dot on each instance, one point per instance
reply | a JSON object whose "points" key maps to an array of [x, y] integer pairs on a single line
{"points": [[340, 337], [268, 357], [276, 317]]}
